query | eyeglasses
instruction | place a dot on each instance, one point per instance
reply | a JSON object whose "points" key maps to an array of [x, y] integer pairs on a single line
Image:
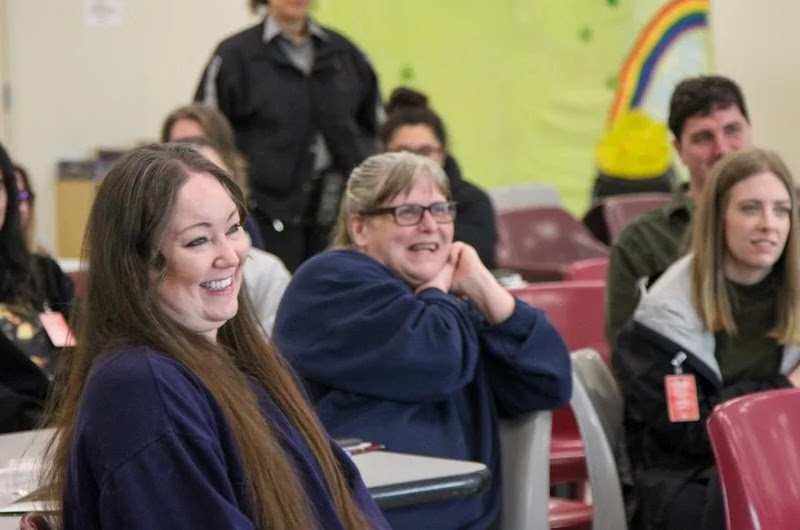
{"points": [[422, 150], [411, 214]]}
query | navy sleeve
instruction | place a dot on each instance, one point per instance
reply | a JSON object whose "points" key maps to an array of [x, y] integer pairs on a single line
{"points": [[175, 482], [346, 322], [527, 362]]}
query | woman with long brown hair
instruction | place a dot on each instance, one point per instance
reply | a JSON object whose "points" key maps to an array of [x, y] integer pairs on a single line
{"points": [[174, 411]]}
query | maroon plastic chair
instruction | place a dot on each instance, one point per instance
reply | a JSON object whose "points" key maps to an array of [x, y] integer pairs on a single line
{"points": [[567, 454], [539, 243], [568, 514], [622, 209], [608, 217], [587, 269], [755, 441], [576, 310]]}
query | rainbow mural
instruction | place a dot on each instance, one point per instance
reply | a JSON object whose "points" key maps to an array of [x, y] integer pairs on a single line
{"points": [[673, 20]]}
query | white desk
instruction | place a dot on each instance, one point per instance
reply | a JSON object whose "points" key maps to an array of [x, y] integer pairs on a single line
{"points": [[393, 479], [27, 447], [397, 479]]}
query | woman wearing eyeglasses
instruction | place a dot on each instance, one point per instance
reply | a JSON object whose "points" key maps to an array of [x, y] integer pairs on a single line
{"points": [[27, 217], [405, 338], [26, 198], [33, 289], [412, 126]]}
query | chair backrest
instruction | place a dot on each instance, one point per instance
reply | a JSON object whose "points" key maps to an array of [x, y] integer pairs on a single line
{"points": [[755, 441], [525, 446], [620, 210], [539, 243], [597, 404], [517, 196], [587, 269], [575, 308]]}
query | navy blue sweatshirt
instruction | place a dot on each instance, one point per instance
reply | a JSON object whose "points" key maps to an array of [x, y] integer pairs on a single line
{"points": [[423, 374], [154, 450]]}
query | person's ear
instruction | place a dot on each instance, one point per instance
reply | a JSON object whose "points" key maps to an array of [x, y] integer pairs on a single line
{"points": [[358, 226], [676, 143], [34, 521]]}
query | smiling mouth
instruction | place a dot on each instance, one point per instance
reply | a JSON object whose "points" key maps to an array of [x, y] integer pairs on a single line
{"points": [[430, 247], [217, 285], [764, 244]]}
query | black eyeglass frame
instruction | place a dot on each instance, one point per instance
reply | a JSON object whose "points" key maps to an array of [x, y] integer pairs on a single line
{"points": [[449, 206]]}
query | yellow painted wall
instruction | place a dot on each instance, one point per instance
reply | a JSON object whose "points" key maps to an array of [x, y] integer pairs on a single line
{"points": [[524, 86]]}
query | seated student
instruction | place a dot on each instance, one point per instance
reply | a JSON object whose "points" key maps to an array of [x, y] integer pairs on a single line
{"points": [[412, 126], [728, 315], [198, 119], [265, 275], [174, 410], [27, 212], [405, 338], [30, 285]]}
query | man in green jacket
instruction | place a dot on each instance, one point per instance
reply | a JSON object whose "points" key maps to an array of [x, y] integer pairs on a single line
{"points": [[708, 118]]}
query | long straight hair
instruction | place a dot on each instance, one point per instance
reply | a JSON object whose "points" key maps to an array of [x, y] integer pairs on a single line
{"points": [[129, 218], [708, 282], [19, 282]]}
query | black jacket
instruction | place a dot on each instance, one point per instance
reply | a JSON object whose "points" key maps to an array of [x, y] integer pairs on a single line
{"points": [[475, 220], [23, 385], [276, 111], [666, 455]]}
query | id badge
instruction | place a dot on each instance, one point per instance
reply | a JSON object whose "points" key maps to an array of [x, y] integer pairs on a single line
{"points": [[681, 391], [57, 329]]}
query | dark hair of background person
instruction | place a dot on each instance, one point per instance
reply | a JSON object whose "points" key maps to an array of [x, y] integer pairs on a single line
{"points": [[255, 5], [198, 142], [27, 230], [700, 96], [407, 106], [18, 282], [129, 218], [218, 130]]}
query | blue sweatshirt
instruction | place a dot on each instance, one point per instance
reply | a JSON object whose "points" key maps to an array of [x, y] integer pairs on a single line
{"points": [[153, 450], [423, 374]]}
